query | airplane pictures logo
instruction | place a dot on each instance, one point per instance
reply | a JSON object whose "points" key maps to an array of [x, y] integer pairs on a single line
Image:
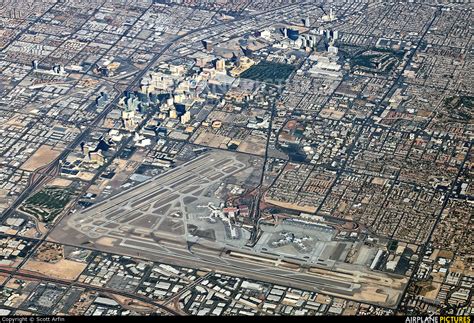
{"points": [[438, 319]]}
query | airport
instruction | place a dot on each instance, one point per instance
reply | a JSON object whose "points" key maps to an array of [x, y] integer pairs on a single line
{"points": [[152, 220]]}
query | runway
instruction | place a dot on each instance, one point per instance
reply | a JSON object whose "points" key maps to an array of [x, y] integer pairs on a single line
{"points": [[147, 205]]}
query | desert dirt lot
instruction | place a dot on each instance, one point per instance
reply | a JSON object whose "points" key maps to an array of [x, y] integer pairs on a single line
{"points": [[212, 140], [43, 156], [63, 269], [61, 182], [3, 278], [252, 146]]}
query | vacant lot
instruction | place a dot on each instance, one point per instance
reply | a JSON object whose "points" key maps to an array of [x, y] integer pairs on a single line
{"points": [[63, 269], [43, 156]]}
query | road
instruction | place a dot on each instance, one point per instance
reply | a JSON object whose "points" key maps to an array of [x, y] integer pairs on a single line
{"points": [[210, 259], [48, 171], [41, 176], [42, 278]]}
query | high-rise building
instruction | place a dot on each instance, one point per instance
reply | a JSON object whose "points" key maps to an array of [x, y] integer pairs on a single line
{"points": [[335, 35], [186, 117], [58, 69], [201, 61], [86, 149], [300, 42], [207, 45], [307, 22], [34, 64], [220, 65], [173, 114], [330, 17], [99, 101], [128, 118], [328, 34]]}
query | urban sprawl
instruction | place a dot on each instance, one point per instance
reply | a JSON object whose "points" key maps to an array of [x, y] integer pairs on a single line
{"points": [[236, 157]]}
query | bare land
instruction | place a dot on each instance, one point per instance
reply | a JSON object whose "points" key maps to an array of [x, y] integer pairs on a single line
{"points": [[63, 269], [43, 156]]}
